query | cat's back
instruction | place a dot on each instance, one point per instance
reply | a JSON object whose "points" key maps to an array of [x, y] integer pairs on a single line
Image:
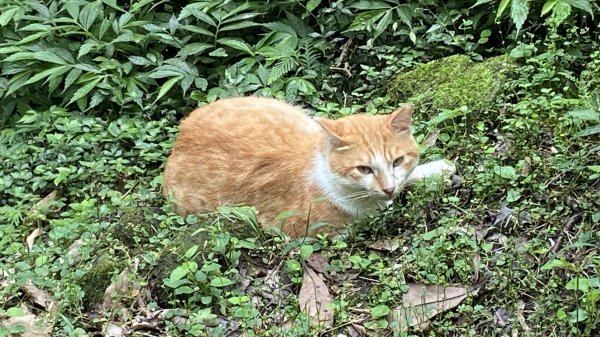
{"points": [[241, 150], [249, 116]]}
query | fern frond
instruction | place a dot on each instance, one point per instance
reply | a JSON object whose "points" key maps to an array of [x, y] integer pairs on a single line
{"points": [[281, 68]]}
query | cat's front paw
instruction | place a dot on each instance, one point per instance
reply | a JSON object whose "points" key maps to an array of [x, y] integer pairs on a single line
{"points": [[444, 167]]}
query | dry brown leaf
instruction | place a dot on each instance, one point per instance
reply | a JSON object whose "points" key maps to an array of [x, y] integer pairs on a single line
{"points": [[389, 245], [39, 297], [3, 278], [526, 167], [31, 325], [43, 204], [113, 330], [73, 252], [475, 261], [502, 147], [432, 138], [356, 330], [521, 318], [31, 237], [121, 287], [502, 317], [315, 299], [423, 302], [318, 262]]}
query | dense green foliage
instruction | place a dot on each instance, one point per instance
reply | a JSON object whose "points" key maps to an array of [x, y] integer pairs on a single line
{"points": [[91, 93]]}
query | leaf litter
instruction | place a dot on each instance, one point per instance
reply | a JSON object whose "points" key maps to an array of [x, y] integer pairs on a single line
{"points": [[422, 302], [314, 298]]}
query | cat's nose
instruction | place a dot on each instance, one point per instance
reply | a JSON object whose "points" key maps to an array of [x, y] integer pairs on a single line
{"points": [[389, 191]]}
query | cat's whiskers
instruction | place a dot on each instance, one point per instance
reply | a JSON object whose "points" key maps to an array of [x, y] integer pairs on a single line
{"points": [[356, 196]]}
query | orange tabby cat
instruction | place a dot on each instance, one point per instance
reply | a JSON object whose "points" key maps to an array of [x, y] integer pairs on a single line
{"points": [[265, 153]]}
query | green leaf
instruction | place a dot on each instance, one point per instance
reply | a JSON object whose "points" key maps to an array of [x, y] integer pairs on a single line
{"points": [[555, 263], [412, 36], [220, 52], [140, 4], [481, 2], [35, 27], [380, 311], [15, 312], [443, 116], [86, 48], [178, 273], [238, 25], [312, 4], [584, 5], [507, 172], [29, 117], [383, 24], [85, 90], [191, 251], [561, 12], [237, 300], [113, 4], [518, 12], [548, 5], [502, 8], [113, 129], [90, 13], [236, 44], [241, 17], [72, 8], [210, 267], [218, 282], [579, 283], [294, 265], [184, 290], [7, 15], [201, 83], [588, 132], [88, 67], [42, 55], [513, 195], [305, 251], [46, 73], [584, 115], [280, 28], [365, 19], [578, 315], [282, 68], [193, 9], [194, 48], [367, 4], [140, 61], [167, 86], [173, 24], [16, 82], [32, 37], [197, 29]]}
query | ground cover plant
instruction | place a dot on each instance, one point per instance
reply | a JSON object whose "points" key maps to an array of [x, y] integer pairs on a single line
{"points": [[91, 93]]}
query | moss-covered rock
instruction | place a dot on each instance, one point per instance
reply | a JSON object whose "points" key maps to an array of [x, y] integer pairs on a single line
{"points": [[97, 279], [454, 81]]}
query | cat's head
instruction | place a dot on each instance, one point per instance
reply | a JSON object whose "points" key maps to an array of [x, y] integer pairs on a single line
{"points": [[372, 155]]}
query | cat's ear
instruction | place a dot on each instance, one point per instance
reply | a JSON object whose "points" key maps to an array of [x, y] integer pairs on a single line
{"points": [[401, 119], [333, 130]]}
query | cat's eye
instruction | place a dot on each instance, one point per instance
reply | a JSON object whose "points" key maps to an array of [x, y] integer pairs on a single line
{"points": [[398, 161], [364, 169]]}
